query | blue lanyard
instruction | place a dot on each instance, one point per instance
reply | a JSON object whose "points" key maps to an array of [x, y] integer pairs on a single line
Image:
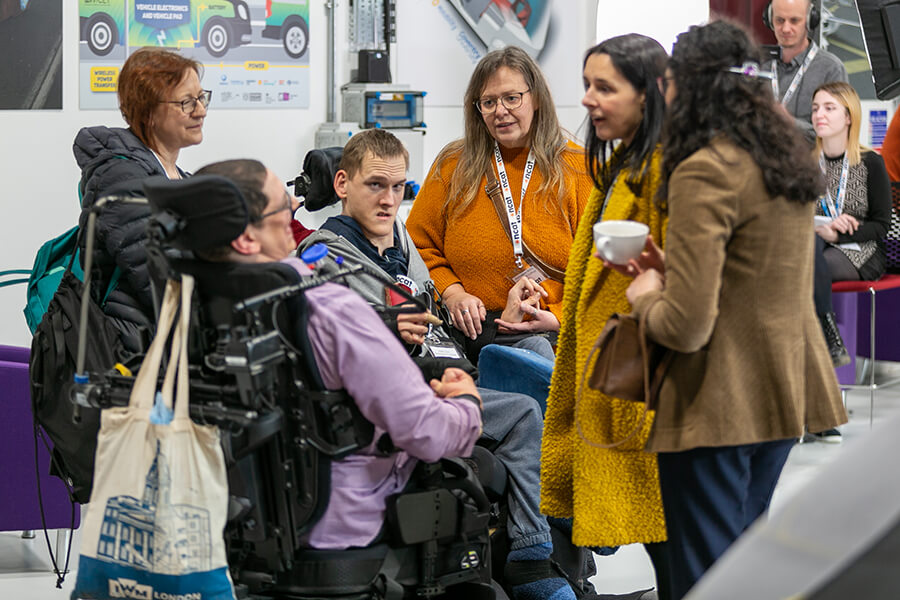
{"points": [[832, 205]]}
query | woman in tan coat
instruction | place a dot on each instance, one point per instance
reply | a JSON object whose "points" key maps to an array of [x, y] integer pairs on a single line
{"points": [[733, 299]]}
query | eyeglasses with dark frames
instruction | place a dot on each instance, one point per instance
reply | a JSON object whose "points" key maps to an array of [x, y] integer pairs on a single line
{"points": [[510, 101], [288, 205], [190, 105]]}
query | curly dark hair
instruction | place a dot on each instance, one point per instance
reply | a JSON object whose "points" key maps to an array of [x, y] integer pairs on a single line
{"points": [[641, 60], [711, 101]]}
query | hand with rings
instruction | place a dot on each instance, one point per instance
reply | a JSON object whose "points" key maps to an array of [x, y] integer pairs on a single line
{"points": [[466, 310], [525, 294]]}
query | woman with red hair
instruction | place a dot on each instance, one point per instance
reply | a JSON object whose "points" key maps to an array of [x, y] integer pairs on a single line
{"points": [[162, 102]]}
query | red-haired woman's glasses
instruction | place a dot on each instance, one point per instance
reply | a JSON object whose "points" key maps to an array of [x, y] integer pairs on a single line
{"points": [[190, 105]]}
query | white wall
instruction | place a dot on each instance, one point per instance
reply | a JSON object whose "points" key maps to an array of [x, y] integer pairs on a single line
{"points": [[672, 18]]}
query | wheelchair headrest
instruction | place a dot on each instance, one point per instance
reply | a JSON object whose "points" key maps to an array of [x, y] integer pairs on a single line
{"points": [[196, 213], [237, 281], [316, 183]]}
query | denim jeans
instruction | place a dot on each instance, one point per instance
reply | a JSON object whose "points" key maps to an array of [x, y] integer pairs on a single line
{"points": [[539, 344], [525, 368], [514, 421]]}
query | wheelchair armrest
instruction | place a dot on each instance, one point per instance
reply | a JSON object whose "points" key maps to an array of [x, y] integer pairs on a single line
{"points": [[490, 471], [463, 479], [454, 503], [427, 515]]}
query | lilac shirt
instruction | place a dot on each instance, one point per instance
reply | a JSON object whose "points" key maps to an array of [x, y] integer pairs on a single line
{"points": [[355, 351]]}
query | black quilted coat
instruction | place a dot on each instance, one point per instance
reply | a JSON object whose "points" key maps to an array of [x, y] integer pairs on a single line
{"points": [[115, 161]]}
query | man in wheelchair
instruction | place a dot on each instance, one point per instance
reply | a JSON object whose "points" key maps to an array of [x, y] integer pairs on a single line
{"points": [[369, 180], [339, 370]]}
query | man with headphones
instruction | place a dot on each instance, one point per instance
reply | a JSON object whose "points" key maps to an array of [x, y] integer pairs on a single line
{"points": [[803, 66]]}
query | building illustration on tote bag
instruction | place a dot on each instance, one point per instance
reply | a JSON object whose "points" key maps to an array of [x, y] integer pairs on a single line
{"points": [[152, 533]]}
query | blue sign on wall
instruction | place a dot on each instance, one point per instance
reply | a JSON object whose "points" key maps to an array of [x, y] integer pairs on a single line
{"points": [[163, 15], [878, 127]]}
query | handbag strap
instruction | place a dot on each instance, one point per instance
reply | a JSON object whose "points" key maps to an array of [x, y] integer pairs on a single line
{"points": [[177, 369], [492, 189], [645, 361], [144, 389], [180, 350]]}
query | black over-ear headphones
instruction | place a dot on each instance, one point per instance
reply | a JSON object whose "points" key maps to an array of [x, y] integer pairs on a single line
{"points": [[812, 16]]}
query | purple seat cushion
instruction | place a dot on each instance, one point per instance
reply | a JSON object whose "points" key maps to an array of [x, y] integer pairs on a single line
{"points": [[19, 507], [16, 354]]}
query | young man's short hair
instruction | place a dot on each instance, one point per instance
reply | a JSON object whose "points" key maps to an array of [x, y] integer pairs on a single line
{"points": [[379, 142]]}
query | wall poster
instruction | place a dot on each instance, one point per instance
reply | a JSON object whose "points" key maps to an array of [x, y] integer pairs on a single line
{"points": [[254, 52]]}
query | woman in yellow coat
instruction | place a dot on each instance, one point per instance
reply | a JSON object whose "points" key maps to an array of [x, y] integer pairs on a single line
{"points": [[612, 493]]}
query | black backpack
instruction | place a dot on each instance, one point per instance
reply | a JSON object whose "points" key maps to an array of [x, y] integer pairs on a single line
{"points": [[52, 368]]}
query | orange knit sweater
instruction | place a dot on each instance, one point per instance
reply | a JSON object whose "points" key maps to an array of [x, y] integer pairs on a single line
{"points": [[473, 248]]}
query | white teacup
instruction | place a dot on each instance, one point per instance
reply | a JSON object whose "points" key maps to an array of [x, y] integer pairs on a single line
{"points": [[620, 241]]}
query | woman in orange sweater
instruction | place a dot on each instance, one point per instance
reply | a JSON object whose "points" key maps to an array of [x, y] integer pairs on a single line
{"points": [[478, 257]]}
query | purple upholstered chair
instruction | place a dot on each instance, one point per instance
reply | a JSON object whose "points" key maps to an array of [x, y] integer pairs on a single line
{"points": [[19, 507], [865, 336]]}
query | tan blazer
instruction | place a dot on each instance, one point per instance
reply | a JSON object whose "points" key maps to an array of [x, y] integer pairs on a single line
{"points": [[738, 308]]}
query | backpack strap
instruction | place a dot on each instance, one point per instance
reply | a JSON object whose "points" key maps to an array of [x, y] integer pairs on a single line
{"points": [[12, 272]]}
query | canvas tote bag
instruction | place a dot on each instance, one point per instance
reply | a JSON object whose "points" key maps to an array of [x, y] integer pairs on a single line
{"points": [[153, 528]]}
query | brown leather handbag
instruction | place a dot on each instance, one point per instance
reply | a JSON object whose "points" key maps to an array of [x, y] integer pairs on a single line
{"points": [[628, 366]]}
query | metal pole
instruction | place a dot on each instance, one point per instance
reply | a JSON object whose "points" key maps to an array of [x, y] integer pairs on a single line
{"points": [[872, 360], [329, 69]]}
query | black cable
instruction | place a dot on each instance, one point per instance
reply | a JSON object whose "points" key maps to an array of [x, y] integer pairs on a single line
{"points": [[60, 576]]}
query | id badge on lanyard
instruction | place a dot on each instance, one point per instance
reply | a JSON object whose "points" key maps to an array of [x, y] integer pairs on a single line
{"points": [[531, 271], [440, 349], [513, 213]]}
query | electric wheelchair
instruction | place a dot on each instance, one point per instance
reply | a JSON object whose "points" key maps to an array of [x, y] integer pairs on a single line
{"points": [[315, 185], [252, 373]]}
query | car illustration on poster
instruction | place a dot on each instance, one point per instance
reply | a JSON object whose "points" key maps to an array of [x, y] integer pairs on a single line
{"points": [[216, 25], [101, 24], [287, 21], [500, 23], [255, 53]]}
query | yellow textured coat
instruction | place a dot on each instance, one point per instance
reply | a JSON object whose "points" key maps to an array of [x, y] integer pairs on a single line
{"points": [[613, 494]]}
